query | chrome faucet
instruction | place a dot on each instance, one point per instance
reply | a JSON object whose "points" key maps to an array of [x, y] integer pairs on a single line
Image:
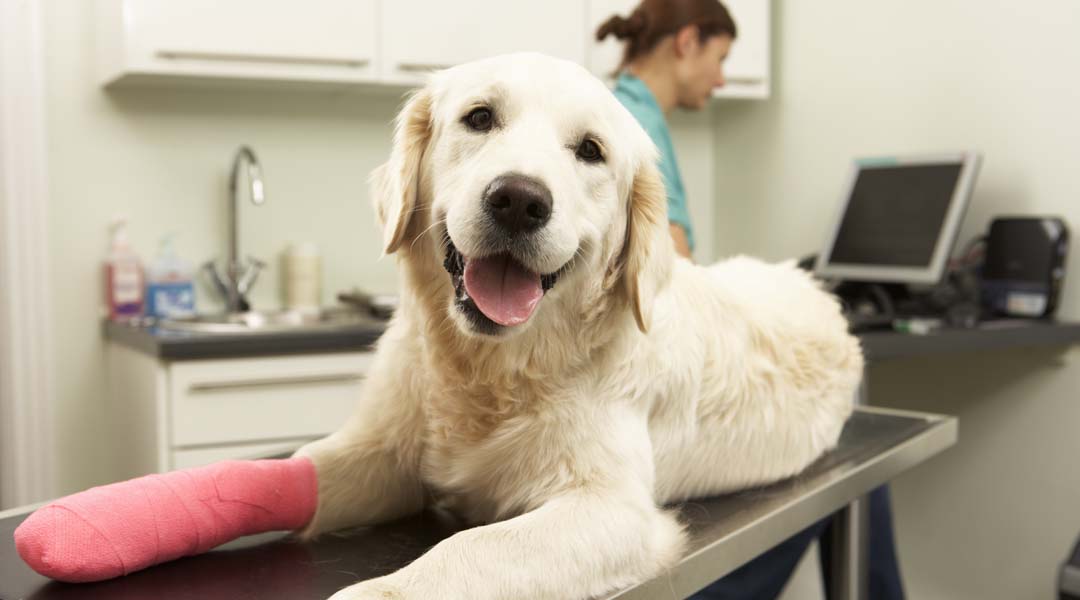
{"points": [[240, 275]]}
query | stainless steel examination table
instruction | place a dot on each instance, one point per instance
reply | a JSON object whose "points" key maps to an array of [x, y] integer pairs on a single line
{"points": [[876, 445]]}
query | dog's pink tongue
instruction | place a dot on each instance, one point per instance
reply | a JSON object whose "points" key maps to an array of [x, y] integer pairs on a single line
{"points": [[502, 289]]}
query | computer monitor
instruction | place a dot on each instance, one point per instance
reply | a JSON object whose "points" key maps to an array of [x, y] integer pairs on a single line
{"points": [[899, 218]]}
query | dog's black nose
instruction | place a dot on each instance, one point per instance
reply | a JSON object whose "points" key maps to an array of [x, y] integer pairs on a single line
{"points": [[517, 203]]}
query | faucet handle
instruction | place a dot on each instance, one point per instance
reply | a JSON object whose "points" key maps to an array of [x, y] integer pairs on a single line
{"points": [[215, 278], [251, 273]]}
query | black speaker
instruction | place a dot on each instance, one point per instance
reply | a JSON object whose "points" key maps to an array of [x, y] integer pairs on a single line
{"points": [[1024, 268]]}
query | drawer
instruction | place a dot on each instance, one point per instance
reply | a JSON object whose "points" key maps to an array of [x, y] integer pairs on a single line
{"points": [[263, 399], [186, 459]]}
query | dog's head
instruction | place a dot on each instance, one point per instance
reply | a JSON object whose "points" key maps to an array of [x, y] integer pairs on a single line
{"points": [[531, 183]]}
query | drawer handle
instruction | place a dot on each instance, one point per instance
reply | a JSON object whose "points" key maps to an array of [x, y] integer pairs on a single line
{"points": [[422, 67], [745, 79], [263, 58], [215, 386]]}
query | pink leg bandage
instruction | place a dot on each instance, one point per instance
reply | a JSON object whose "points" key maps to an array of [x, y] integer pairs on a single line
{"points": [[120, 528]]}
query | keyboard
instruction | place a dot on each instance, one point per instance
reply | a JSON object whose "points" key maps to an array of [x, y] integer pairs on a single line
{"points": [[861, 322]]}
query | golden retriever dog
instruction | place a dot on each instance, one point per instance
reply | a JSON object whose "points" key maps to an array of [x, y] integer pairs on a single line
{"points": [[555, 374]]}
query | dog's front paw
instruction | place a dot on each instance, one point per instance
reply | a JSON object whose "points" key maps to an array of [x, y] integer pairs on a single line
{"points": [[372, 589]]}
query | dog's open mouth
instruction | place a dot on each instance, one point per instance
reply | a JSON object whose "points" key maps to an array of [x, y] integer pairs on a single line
{"points": [[497, 289]]}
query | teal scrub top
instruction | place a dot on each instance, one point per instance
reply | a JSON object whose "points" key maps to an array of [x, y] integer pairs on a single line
{"points": [[639, 100]]}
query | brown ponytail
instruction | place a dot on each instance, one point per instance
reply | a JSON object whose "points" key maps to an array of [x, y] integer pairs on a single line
{"points": [[622, 28], [653, 20]]}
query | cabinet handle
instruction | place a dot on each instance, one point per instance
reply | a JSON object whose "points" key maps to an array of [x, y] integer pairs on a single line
{"points": [[216, 386], [744, 79], [263, 58], [422, 67]]}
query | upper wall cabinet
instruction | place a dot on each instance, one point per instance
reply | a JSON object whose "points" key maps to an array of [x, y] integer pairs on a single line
{"points": [[328, 41], [746, 68], [421, 35], [331, 43]]}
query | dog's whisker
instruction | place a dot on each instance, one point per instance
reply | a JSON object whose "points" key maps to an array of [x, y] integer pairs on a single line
{"points": [[419, 208], [422, 233], [579, 253]]}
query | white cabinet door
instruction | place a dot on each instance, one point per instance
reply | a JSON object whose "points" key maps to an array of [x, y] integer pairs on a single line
{"points": [[746, 69], [421, 35], [263, 399], [315, 40], [174, 415]]}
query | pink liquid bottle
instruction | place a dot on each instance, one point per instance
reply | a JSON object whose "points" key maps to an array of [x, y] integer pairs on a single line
{"points": [[124, 283]]}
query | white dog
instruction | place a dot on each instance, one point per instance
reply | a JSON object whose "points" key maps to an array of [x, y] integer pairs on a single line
{"points": [[554, 371]]}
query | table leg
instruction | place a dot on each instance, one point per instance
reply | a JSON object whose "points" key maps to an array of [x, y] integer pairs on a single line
{"points": [[849, 552], [850, 548]]}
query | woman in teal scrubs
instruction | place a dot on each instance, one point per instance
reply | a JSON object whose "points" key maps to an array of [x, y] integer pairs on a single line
{"points": [[674, 58]]}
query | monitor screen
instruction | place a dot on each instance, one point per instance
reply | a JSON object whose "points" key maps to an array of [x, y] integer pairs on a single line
{"points": [[899, 218], [895, 215]]}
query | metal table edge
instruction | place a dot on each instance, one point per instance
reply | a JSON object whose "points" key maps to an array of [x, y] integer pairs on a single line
{"points": [[22, 510], [696, 570]]}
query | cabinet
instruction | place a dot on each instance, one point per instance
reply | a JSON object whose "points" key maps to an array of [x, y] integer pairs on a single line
{"points": [[178, 414], [375, 44], [316, 41], [420, 35], [746, 69]]}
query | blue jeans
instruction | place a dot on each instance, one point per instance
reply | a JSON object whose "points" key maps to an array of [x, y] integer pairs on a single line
{"points": [[764, 577]]}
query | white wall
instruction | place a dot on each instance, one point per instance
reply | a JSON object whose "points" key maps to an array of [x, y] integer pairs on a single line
{"points": [[162, 156], [993, 517]]}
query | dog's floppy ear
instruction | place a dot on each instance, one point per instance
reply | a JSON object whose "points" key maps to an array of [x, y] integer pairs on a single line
{"points": [[648, 251], [395, 184]]}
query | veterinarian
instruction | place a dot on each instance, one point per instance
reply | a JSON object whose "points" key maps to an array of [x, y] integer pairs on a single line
{"points": [[673, 58]]}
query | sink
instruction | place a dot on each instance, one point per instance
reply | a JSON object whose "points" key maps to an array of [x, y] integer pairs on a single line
{"points": [[270, 322]]}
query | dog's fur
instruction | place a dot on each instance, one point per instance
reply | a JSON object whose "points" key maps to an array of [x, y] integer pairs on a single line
{"points": [[641, 378]]}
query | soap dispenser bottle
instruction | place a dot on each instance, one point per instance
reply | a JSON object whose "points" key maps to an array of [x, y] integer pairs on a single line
{"points": [[170, 289], [123, 275]]}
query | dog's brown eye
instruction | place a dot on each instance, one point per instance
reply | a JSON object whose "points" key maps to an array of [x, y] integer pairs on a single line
{"points": [[589, 151], [480, 119]]}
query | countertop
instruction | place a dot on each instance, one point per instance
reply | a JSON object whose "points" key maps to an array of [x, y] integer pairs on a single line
{"points": [[989, 335], [878, 345], [185, 345]]}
